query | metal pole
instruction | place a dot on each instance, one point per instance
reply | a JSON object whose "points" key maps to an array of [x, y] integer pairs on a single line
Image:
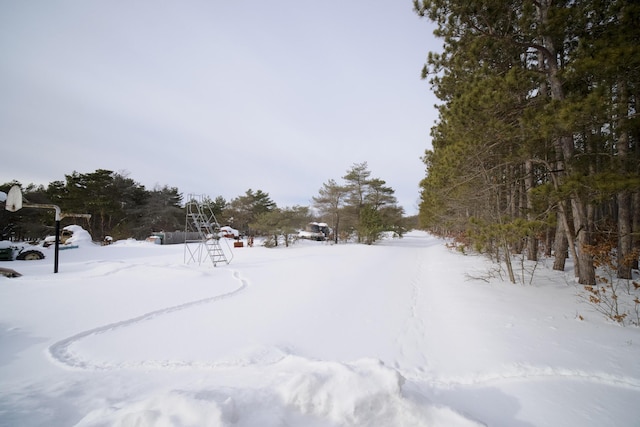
{"points": [[58, 218], [57, 247], [57, 251]]}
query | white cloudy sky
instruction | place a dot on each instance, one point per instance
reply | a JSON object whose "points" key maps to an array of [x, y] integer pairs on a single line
{"points": [[215, 97]]}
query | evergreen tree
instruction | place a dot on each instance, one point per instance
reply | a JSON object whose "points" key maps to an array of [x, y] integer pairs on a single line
{"points": [[531, 118], [161, 211], [245, 209]]}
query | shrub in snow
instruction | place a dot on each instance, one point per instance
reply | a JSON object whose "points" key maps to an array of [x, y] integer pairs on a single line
{"points": [[617, 299]]}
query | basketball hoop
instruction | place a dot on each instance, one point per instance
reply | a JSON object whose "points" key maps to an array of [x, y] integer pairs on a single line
{"points": [[14, 203]]}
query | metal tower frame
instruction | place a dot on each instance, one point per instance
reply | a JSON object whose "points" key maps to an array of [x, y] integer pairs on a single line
{"points": [[202, 239]]}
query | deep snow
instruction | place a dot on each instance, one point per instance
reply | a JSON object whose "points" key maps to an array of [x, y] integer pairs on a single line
{"points": [[319, 335]]}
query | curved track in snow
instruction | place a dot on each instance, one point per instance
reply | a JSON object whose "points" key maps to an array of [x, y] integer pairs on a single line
{"points": [[60, 351], [415, 326], [522, 372]]}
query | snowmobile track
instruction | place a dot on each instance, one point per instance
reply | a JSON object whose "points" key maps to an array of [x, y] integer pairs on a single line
{"points": [[60, 351], [520, 372]]}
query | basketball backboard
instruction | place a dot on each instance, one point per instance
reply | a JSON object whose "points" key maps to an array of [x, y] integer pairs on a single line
{"points": [[14, 199]]}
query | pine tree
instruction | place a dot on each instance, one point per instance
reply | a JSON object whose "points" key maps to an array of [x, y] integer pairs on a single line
{"points": [[538, 106]]}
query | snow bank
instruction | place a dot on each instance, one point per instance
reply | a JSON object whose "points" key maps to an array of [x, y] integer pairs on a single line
{"points": [[80, 236], [169, 409], [353, 394], [303, 392], [362, 393]]}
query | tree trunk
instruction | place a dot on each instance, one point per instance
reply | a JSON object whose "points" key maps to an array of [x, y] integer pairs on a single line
{"points": [[584, 260], [565, 148], [624, 235], [561, 246], [635, 237], [549, 238], [507, 261], [624, 196]]}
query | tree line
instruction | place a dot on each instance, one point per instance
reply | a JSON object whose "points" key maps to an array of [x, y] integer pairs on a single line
{"points": [[122, 208], [536, 148]]}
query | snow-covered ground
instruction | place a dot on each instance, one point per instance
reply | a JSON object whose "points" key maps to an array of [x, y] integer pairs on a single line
{"points": [[314, 335]]}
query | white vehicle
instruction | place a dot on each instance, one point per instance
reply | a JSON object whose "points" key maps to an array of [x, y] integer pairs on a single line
{"points": [[228, 232], [315, 231]]}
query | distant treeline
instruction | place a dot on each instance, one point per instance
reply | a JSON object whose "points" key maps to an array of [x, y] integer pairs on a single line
{"points": [[361, 208]]}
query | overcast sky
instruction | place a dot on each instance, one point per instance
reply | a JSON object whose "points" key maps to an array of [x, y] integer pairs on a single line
{"points": [[215, 97]]}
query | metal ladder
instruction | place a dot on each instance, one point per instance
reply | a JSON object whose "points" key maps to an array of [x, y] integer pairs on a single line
{"points": [[202, 240]]}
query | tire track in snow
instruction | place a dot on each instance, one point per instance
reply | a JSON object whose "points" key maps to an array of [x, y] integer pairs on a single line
{"points": [[60, 351]]}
